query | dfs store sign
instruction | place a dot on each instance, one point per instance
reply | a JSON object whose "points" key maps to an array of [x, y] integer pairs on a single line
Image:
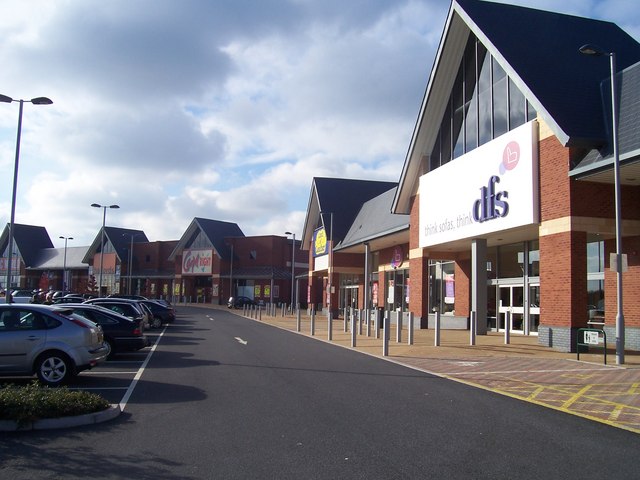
{"points": [[490, 189]]}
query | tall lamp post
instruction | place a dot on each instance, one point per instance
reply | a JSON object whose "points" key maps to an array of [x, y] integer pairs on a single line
{"points": [[130, 269], [293, 264], [594, 50], [35, 101], [65, 281], [104, 218], [330, 266]]}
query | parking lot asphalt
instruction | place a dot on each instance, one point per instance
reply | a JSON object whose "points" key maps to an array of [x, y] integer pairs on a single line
{"points": [[521, 369]]}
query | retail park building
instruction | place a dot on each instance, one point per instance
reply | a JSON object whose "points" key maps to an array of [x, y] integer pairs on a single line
{"points": [[504, 207]]}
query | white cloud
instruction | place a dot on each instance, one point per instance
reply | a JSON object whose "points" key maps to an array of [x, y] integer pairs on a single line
{"points": [[222, 110]]}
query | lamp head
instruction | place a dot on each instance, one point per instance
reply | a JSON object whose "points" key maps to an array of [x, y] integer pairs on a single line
{"points": [[41, 101], [590, 49]]}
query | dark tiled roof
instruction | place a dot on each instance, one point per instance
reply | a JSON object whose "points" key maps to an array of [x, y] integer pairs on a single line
{"points": [[375, 220], [54, 259], [628, 124], [29, 240], [541, 48], [120, 238], [344, 198], [266, 272], [216, 232]]}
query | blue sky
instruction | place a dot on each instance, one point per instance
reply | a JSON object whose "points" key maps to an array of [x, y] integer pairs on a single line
{"points": [[210, 108]]}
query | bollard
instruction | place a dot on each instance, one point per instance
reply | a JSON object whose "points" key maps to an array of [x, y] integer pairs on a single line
{"points": [[437, 332], [360, 321], [410, 330], [353, 329], [313, 321], [368, 320], [260, 313], [298, 319], [377, 318], [507, 328], [398, 326], [346, 319], [385, 335], [330, 326], [473, 327]]}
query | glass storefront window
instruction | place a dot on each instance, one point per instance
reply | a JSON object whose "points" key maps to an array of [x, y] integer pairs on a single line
{"points": [[510, 261], [441, 287], [595, 281], [484, 103], [534, 258]]}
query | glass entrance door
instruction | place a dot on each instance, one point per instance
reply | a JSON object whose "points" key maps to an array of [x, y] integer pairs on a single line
{"points": [[511, 299]]}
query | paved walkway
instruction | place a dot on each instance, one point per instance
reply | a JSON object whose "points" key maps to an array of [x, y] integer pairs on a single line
{"points": [[521, 369]]}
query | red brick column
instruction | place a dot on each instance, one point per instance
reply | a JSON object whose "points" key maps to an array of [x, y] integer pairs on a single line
{"points": [[419, 289], [563, 279]]}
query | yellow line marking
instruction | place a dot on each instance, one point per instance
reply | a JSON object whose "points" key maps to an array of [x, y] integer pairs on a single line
{"points": [[616, 413], [535, 393], [634, 389]]}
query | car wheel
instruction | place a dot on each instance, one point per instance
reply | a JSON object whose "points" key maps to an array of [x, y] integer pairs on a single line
{"points": [[111, 350], [156, 322], [53, 368]]}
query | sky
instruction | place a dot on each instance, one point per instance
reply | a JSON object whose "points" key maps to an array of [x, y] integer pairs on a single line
{"points": [[222, 109]]}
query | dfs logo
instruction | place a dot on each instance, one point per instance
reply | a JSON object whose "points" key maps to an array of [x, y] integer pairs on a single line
{"points": [[493, 204]]}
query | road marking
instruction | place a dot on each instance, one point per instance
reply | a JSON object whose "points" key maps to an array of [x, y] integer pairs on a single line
{"points": [[576, 397], [241, 341], [134, 382]]}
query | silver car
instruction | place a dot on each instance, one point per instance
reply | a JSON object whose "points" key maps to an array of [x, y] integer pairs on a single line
{"points": [[54, 345]]}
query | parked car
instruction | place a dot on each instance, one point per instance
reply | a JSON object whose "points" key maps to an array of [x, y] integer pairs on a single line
{"points": [[128, 297], [71, 298], [239, 302], [21, 296], [53, 344], [128, 308], [121, 334], [161, 313]]}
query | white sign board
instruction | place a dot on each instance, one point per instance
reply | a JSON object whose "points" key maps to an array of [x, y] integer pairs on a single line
{"points": [[490, 189], [197, 262], [592, 338]]}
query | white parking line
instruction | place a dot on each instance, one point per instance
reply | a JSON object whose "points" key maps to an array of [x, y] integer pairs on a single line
{"points": [[132, 386], [84, 374]]}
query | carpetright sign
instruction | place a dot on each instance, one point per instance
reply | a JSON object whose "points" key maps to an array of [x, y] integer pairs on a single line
{"points": [[197, 262]]}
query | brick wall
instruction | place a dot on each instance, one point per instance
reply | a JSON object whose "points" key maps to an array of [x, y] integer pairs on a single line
{"points": [[630, 283]]}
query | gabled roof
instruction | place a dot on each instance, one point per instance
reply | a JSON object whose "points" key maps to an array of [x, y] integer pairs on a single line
{"points": [[539, 52], [215, 230], [375, 222], [341, 197], [120, 238], [28, 239]]}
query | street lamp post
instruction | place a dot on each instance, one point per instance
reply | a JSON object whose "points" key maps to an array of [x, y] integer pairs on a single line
{"points": [[620, 333], [130, 269], [35, 101], [65, 281], [104, 218], [293, 264]]}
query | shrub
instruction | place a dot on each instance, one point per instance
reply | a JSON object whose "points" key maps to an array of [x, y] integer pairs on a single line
{"points": [[34, 402]]}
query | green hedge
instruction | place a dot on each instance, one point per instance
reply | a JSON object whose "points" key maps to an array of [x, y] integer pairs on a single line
{"points": [[34, 402]]}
